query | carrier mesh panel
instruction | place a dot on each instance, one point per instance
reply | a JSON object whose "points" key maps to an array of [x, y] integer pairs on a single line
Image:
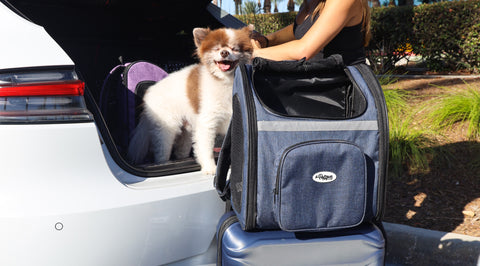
{"points": [[236, 179], [306, 95]]}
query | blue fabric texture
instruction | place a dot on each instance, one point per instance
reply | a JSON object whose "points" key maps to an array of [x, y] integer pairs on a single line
{"points": [[320, 185], [318, 175]]}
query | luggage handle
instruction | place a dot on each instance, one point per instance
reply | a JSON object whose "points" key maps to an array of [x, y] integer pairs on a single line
{"points": [[224, 161]]}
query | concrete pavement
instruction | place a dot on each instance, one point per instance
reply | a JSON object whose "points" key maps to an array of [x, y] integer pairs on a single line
{"points": [[408, 245]]}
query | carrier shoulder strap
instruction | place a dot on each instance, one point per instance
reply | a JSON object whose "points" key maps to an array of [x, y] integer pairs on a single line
{"points": [[224, 161]]}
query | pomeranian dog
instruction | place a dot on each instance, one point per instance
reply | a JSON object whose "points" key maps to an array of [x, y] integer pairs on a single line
{"points": [[191, 106]]}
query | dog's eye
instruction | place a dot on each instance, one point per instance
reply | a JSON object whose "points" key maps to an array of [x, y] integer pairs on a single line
{"points": [[235, 49]]}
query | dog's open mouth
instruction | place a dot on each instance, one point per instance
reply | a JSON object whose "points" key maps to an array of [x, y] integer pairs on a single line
{"points": [[226, 65]]}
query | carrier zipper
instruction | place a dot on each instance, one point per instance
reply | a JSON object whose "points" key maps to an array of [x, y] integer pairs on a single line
{"points": [[276, 190], [251, 208], [383, 139], [126, 68]]}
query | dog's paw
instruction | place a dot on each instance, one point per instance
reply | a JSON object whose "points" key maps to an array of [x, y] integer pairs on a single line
{"points": [[209, 170]]}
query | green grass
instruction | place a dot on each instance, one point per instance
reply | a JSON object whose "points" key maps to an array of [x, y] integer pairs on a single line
{"points": [[455, 107], [409, 146], [387, 78], [415, 129], [410, 143], [396, 100]]}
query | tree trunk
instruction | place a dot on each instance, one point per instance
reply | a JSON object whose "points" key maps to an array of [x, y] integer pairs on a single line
{"points": [[375, 3], [238, 6], [267, 6], [291, 5]]}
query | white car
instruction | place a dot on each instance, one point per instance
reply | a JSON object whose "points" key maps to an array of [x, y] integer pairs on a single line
{"points": [[67, 196]]}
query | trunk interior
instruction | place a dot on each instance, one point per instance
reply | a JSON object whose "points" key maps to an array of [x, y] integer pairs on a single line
{"points": [[100, 34]]}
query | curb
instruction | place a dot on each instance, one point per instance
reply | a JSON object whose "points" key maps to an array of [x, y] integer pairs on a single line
{"points": [[410, 76], [407, 245]]}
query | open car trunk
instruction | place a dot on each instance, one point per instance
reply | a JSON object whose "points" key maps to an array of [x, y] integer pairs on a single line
{"points": [[100, 34]]}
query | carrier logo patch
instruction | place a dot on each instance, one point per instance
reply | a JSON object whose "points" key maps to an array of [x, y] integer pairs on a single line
{"points": [[324, 177]]}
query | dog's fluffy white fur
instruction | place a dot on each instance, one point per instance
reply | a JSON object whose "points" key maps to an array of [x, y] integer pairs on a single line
{"points": [[194, 104]]}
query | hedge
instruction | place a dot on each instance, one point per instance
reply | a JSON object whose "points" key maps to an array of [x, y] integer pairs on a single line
{"points": [[268, 23], [391, 36], [445, 34]]}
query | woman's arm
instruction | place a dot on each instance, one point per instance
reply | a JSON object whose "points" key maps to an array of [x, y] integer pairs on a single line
{"points": [[281, 36], [335, 15]]}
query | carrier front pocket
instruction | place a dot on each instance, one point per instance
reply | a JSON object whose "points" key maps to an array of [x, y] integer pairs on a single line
{"points": [[321, 185]]}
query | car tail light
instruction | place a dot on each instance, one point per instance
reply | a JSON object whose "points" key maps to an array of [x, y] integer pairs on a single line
{"points": [[42, 96]]}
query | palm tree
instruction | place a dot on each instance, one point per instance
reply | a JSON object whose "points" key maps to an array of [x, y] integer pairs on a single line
{"points": [[297, 3], [267, 5], [238, 6], [250, 7], [291, 5], [375, 3], [275, 9]]}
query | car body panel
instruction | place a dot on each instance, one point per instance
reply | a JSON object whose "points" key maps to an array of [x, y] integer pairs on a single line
{"points": [[63, 205], [27, 44]]}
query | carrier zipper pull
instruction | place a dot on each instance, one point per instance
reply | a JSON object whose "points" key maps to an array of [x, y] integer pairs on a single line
{"points": [[275, 195]]}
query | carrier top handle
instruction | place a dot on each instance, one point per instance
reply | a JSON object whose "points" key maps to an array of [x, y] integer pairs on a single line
{"points": [[223, 164]]}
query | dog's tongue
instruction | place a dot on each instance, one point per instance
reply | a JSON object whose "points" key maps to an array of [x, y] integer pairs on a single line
{"points": [[224, 66]]}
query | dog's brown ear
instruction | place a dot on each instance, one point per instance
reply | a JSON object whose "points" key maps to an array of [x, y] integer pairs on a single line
{"points": [[199, 35], [250, 28]]}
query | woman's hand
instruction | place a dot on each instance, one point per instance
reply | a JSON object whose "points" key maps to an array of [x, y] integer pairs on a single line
{"points": [[260, 40]]}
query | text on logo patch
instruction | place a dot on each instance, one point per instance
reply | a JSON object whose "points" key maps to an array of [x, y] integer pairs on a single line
{"points": [[324, 177]]}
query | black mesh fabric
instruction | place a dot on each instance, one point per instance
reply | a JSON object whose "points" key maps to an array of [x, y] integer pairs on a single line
{"points": [[236, 178], [307, 89]]}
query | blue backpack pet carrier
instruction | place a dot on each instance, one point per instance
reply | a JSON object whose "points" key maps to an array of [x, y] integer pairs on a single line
{"points": [[307, 146]]}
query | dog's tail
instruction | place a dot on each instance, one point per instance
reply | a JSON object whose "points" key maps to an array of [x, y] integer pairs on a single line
{"points": [[139, 142]]}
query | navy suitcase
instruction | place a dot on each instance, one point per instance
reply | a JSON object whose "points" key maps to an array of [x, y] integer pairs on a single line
{"points": [[364, 245]]}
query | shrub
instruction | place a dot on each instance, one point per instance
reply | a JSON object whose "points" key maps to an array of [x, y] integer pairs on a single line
{"points": [[440, 29], [268, 23], [471, 49], [391, 32]]}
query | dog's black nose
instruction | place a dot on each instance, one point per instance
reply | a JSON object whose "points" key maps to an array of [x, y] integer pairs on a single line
{"points": [[224, 53]]}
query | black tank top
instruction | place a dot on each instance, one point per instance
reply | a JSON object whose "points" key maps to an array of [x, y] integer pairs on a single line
{"points": [[348, 42]]}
